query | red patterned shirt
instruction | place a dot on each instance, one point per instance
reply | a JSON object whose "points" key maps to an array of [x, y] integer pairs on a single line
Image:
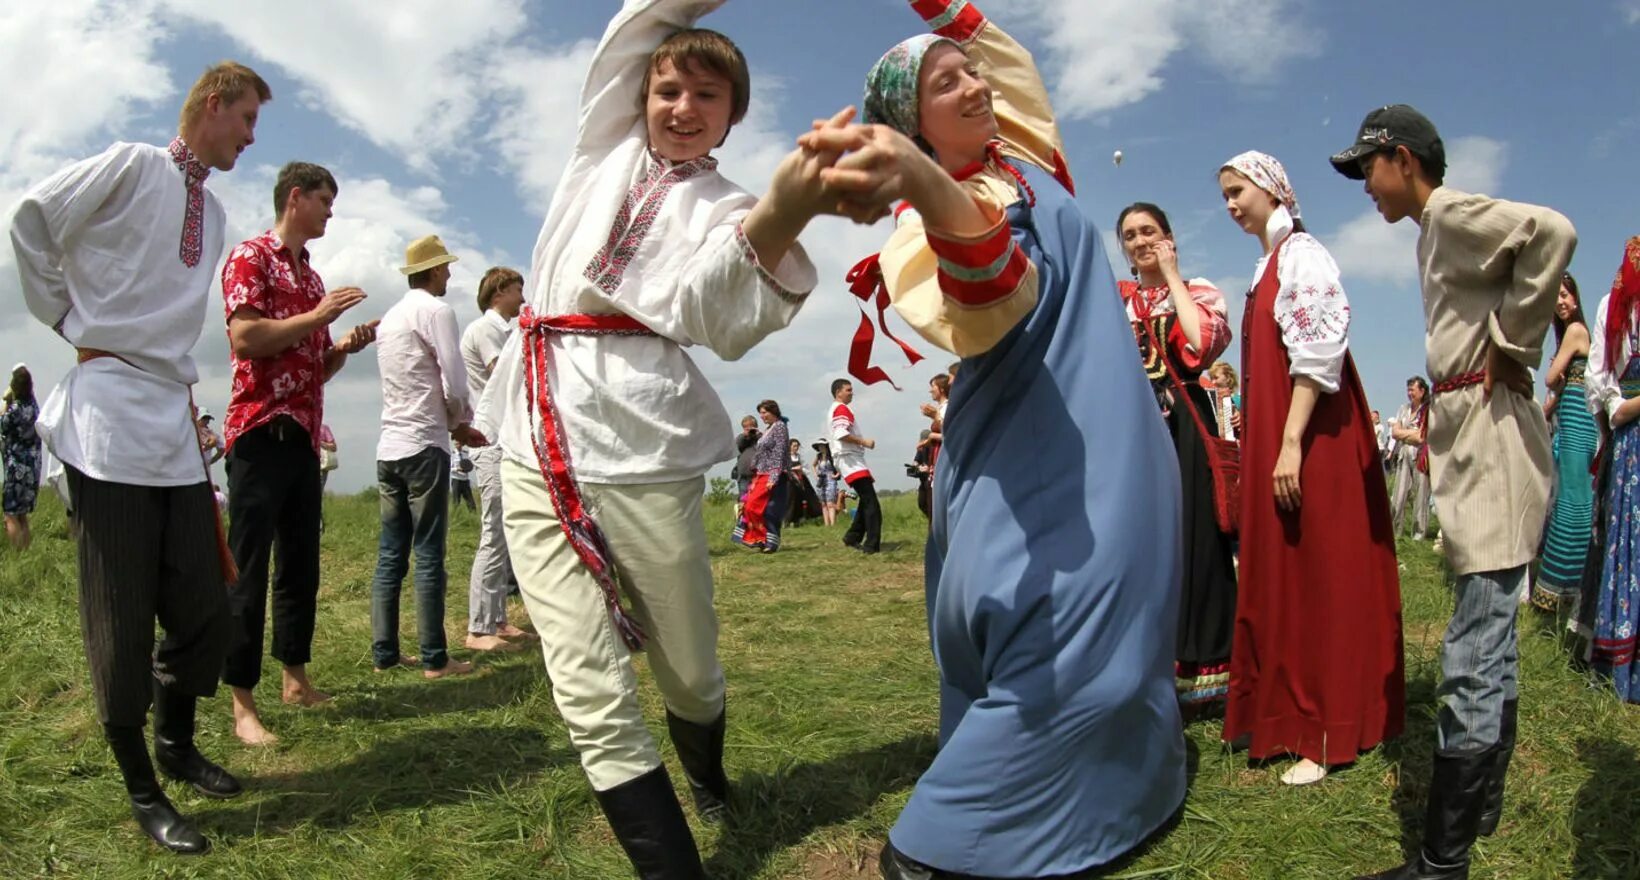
{"points": [[262, 274]]}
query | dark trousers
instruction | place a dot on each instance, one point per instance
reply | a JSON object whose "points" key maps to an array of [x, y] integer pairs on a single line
{"points": [[273, 514], [415, 510], [867, 529], [148, 553]]}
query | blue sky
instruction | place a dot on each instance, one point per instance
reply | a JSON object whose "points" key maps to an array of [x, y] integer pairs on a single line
{"points": [[455, 119]]}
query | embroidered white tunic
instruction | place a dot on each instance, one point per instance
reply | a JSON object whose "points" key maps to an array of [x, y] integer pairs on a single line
{"points": [[629, 233], [1604, 391], [97, 250], [1311, 307]]}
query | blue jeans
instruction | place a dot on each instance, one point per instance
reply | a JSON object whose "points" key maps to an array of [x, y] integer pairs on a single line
{"points": [[415, 508], [1480, 658]]}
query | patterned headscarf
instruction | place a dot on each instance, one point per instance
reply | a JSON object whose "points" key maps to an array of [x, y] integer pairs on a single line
{"points": [[1267, 174], [891, 86], [1625, 296]]}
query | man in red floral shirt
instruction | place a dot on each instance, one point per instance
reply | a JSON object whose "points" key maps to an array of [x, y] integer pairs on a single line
{"points": [[279, 318]]}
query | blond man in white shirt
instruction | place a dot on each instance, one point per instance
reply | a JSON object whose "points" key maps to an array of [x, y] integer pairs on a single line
{"points": [[425, 403], [500, 297], [117, 254]]}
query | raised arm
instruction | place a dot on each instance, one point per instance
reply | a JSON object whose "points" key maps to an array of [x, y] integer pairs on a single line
{"points": [[610, 101], [49, 217], [1020, 99]]}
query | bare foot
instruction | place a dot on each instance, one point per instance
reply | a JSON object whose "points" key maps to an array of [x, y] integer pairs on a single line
{"points": [[508, 631], [247, 725], [488, 643], [298, 691], [404, 660], [454, 667]]}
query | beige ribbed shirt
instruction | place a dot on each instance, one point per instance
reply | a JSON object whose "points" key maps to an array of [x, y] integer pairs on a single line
{"points": [[1490, 271]]}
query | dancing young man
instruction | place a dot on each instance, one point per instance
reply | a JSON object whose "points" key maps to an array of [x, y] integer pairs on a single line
{"points": [[848, 452], [116, 254], [1490, 272], [279, 318]]}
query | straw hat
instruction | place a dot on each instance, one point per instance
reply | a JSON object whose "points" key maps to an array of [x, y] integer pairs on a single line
{"points": [[425, 253]]}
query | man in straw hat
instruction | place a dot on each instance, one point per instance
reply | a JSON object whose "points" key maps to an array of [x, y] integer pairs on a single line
{"points": [[117, 254], [425, 403]]}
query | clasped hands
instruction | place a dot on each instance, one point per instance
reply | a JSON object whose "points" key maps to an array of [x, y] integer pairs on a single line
{"points": [[851, 170]]}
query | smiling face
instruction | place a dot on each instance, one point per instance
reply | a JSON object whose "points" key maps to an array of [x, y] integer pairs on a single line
{"points": [[1387, 180], [1565, 303], [687, 110], [1248, 205], [766, 416], [1140, 232], [1415, 394], [954, 107]]}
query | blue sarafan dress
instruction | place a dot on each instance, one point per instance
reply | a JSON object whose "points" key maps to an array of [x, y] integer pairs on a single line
{"points": [[1053, 557]]}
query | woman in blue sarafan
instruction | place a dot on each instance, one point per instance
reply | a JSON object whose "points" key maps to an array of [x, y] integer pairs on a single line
{"points": [[1053, 559]]}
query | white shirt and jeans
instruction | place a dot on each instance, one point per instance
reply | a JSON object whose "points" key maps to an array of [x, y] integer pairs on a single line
{"points": [[424, 395], [481, 345]]}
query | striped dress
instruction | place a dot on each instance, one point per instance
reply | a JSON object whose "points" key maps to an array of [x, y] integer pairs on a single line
{"points": [[1566, 542]]}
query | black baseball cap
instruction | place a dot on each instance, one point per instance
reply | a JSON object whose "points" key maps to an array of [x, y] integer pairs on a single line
{"points": [[1389, 127]]}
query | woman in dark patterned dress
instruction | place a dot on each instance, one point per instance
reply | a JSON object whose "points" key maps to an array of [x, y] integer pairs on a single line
{"points": [[22, 453]]}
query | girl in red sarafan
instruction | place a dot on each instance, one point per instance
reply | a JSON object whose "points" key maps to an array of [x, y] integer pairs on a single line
{"points": [[1317, 670]]}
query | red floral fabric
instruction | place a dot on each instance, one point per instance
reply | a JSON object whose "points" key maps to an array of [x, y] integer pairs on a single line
{"points": [[262, 274]]}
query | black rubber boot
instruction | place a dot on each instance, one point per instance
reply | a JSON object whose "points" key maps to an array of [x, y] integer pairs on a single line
{"points": [[1456, 795], [647, 820], [149, 806], [1492, 811], [700, 751], [174, 749]]}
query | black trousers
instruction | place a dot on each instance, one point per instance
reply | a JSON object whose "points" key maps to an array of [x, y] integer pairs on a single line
{"points": [[867, 529], [274, 505], [148, 553]]}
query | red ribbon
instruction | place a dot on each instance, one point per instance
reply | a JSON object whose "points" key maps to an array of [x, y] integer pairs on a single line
{"points": [[865, 281], [552, 453], [1462, 380]]}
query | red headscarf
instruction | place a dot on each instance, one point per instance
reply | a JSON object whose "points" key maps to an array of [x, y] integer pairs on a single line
{"points": [[1625, 296]]}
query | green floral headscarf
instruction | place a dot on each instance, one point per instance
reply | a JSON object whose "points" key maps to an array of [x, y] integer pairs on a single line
{"points": [[891, 86]]}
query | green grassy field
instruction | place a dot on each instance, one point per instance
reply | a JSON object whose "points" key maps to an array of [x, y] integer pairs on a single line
{"points": [[832, 710]]}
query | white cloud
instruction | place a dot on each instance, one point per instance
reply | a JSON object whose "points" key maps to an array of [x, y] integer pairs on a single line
{"points": [[537, 130], [1105, 54], [1368, 248], [1630, 10]]}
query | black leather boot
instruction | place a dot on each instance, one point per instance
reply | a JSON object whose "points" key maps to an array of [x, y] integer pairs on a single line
{"points": [[1456, 795], [153, 812], [174, 749], [700, 751], [1492, 812], [647, 820]]}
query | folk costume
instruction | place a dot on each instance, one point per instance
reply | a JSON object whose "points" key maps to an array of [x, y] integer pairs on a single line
{"points": [[865, 533], [1052, 576], [768, 498], [1207, 599], [1490, 272], [1317, 669], [117, 253], [1614, 378], [607, 429], [1566, 538]]}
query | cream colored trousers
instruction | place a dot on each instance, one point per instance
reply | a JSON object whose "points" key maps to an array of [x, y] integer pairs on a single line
{"points": [[658, 539]]}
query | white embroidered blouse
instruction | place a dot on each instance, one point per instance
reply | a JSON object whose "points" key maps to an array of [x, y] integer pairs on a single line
{"points": [[630, 233], [1310, 307], [1602, 388]]}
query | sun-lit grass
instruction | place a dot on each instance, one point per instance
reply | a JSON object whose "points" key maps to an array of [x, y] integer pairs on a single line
{"points": [[832, 708]]}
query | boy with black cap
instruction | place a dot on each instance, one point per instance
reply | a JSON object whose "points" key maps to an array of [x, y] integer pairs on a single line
{"points": [[1490, 270]]}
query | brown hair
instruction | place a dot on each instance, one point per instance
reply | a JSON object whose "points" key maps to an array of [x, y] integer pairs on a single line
{"points": [[495, 279], [705, 49], [942, 382], [770, 407], [229, 81], [305, 176]]}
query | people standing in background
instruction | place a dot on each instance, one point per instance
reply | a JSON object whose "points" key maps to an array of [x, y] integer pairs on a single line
{"points": [[1226, 399], [20, 446], [461, 484], [1411, 463], [1576, 437], [208, 439], [848, 451], [825, 481], [500, 298], [745, 456], [765, 511], [117, 255], [329, 457], [1180, 327], [1316, 542], [803, 503], [425, 405], [278, 318]]}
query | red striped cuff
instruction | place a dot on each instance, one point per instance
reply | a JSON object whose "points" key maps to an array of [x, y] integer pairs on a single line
{"points": [[982, 270], [953, 19]]}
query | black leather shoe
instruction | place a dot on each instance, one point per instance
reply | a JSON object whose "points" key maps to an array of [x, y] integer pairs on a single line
{"points": [[174, 749], [1418, 869], [1492, 811], [149, 806], [647, 820], [700, 751], [899, 866]]}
